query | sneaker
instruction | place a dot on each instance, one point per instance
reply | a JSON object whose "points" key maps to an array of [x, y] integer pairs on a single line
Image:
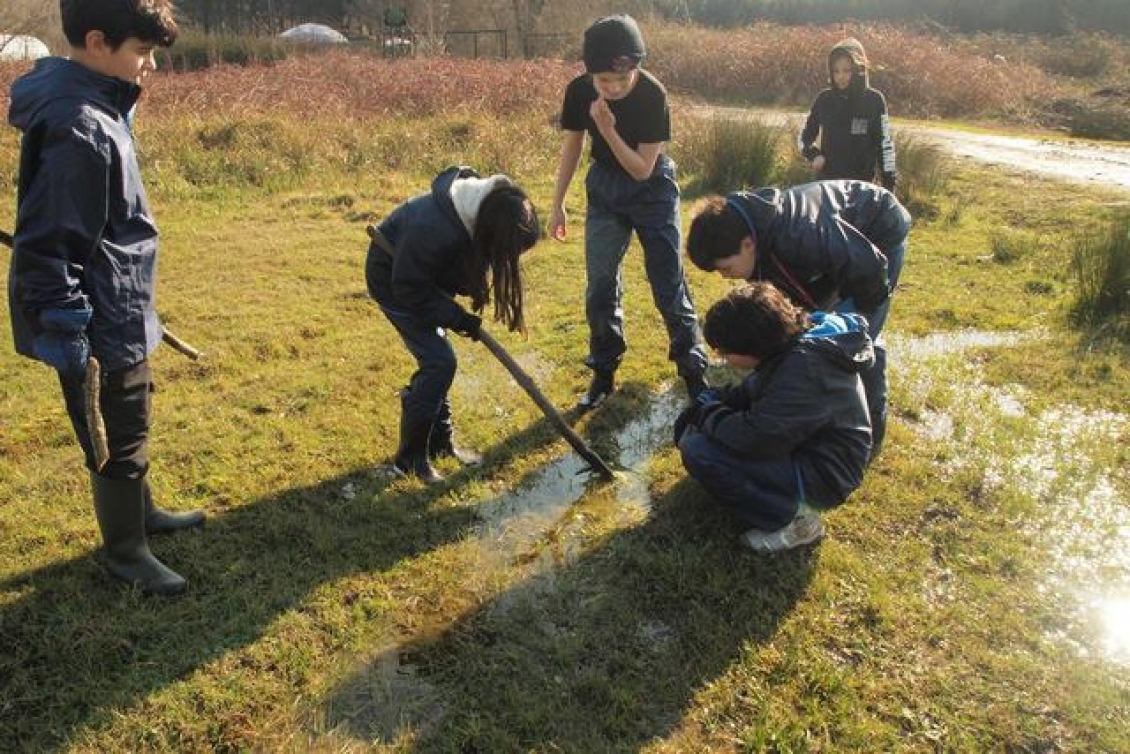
{"points": [[602, 385], [804, 529]]}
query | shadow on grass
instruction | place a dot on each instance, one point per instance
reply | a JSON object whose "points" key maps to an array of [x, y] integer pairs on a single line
{"points": [[76, 646], [604, 652]]}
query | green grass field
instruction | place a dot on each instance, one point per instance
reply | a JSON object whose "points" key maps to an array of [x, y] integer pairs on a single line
{"points": [[967, 598]]}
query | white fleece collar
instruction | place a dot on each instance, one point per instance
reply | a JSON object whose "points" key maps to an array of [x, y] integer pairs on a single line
{"points": [[467, 195]]}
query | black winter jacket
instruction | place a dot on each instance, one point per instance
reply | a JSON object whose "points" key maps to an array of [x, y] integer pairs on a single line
{"points": [[85, 237], [823, 242], [432, 249], [854, 130], [808, 403]]}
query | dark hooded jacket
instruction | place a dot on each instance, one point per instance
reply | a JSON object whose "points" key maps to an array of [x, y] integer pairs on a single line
{"points": [[432, 253], [854, 129], [806, 402], [85, 238], [823, 242]]}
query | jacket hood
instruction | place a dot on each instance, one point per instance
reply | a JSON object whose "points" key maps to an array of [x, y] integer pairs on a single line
{"points": [[842, 339], [853, 50], [56, 80], [441, 191]]}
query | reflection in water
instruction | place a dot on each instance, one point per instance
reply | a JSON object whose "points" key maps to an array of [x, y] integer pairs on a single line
{"points": [[1115, 619], [1067, 463], [517, 520]]}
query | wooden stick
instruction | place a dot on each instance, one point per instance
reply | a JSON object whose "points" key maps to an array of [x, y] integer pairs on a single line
{"points": [[179, 345], [95, 425], [596, 463]]}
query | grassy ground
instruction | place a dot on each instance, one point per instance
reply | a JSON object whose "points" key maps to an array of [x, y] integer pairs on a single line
{"points": [[957, 604]]}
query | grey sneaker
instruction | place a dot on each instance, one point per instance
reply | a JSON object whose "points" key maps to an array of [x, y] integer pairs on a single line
{"points": [[804, 529]]}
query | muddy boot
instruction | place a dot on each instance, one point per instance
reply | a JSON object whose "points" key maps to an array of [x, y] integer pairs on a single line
{"points": [[119, 505], [441, 442], [412, 456], [602, 385], [161, 521]]}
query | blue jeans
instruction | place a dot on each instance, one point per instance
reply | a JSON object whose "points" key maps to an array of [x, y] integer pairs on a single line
{"points": [[763, 494], [426, 394], [617, 205]]}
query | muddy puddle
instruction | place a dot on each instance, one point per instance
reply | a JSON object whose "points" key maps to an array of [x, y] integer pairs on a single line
{"points": [[516, 521], [1064, 462]]}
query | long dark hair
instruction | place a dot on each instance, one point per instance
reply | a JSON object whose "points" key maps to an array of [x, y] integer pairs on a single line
{"points": [[506, 226]]}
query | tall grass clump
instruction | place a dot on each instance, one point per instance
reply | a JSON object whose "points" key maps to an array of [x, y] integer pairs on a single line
{"points": [[924, 170], [728, 154], [1101, 270]]}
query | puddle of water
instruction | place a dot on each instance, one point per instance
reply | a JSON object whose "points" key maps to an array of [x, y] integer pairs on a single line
{"points": [[514, 521], [1084, 521], [391, 703]]}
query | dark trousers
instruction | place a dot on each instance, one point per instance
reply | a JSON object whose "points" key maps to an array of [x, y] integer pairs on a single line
{"points": [[617, 205], [875, 379], [763, 494], [426, 395], [125, 403]]}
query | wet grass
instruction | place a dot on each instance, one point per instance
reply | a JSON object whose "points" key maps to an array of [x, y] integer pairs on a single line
{"points": [[517, 608]]}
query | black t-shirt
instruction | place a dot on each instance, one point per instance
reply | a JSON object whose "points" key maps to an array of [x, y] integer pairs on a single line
{"points": [[641, 118]]}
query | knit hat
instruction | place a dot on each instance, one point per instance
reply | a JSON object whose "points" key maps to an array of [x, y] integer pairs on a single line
{"points": [[613, 44]]}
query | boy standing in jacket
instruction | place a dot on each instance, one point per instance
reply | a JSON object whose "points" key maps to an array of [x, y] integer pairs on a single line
{"points": [[794, 434], [829, 245], [82, 280], [851, 119]]}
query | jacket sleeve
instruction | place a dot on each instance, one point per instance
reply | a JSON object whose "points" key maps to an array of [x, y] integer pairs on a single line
{"points": [[414, 275], [886, 145], [806, 141], [61, 219], [787, 411]]}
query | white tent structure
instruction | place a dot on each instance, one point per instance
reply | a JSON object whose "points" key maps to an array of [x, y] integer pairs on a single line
{"points": [[314, 34], [21, 47]]}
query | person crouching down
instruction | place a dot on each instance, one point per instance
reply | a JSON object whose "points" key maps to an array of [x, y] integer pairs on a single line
{"points": [[464, 237], [794, 435]]}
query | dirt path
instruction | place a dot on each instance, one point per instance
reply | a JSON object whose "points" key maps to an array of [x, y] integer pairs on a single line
{"points": [[1077, 161]]}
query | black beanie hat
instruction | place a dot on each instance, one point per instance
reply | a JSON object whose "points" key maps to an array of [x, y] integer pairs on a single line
{"points": [[613, 43]]}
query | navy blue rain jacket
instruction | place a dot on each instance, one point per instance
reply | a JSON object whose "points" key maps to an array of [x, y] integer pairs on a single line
{"points": [[823, 242], [806, 402], [85, 237], [432, 250]]}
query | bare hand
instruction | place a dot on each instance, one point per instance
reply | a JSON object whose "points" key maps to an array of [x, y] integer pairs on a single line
{"points": [[602, 115], [557, 224], [818, 163]]}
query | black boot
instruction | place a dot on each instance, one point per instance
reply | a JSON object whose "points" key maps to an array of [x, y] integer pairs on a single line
{"points": [[696, 386], [119, 505], [602, 385], [412, 455], [441, 442], [161, 521]]}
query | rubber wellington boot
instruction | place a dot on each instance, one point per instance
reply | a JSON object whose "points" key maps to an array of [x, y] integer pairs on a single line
{"points": [[602, 385], [412, 456], [441, 442], [119, 505], [161, 521]]}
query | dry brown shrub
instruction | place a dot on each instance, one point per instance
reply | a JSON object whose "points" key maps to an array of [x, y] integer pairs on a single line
{"points": [[921, 75]]}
